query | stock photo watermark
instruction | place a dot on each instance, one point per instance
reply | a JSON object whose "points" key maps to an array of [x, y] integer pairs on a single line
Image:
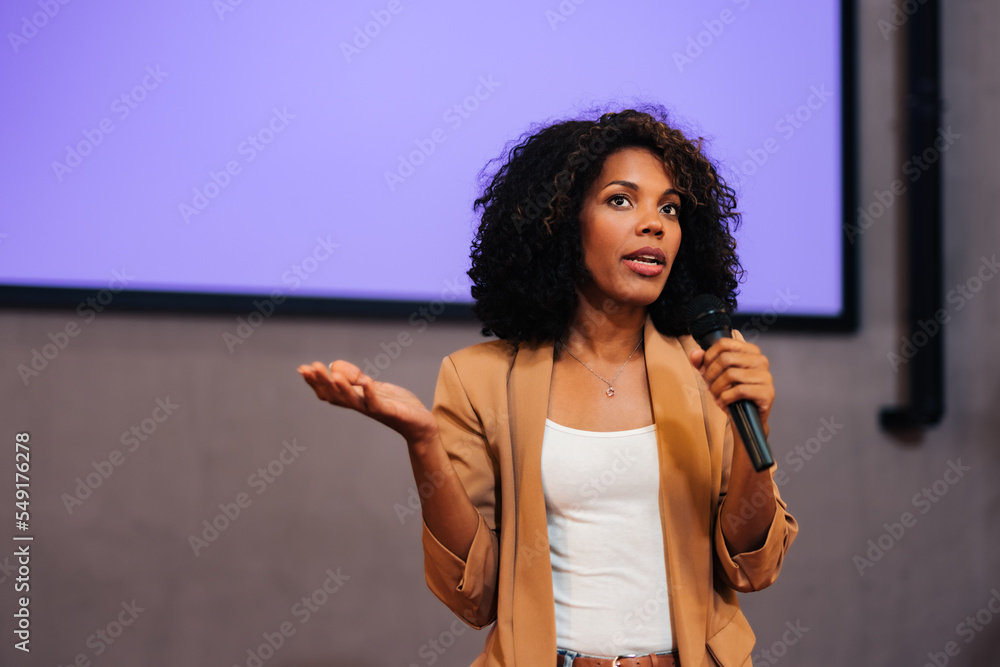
{"points": [[22, 617], [924, 501], [87, 310], [7, 569], [913, 169], [636, 619], [578, 161], [435, 647], [968, 629], [758, 324], [302, 611], [370, 30], [424, 490], [455, 116], [122, 107], [779, 648], [259, 481], [104, 637], [562, 12], [420, 320], [786, 126], [805, 452], [898, 16], [263, 309], [704, 39], [131, 440], [249, 149], [957, 297], [796, 460], [223, 7], [32, 23]]}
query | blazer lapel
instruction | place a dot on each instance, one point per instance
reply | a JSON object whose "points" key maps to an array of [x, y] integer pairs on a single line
{"points": [[685, 488], [534, 605], [685, 494]]}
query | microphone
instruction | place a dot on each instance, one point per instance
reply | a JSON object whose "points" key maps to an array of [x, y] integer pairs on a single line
{"points": [[708, 321]]}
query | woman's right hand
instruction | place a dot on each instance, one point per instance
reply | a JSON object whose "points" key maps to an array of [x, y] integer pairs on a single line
{"points": [[345, 385], [448, 513]]}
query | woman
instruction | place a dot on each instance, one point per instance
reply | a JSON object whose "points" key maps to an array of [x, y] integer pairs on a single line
{"points": [[591, 497]]}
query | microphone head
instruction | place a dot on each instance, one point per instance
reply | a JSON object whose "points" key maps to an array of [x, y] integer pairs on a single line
{"points": [[707, 313]]}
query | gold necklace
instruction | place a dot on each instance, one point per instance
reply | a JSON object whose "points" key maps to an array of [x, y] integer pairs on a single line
{"points": [[611, 390]]}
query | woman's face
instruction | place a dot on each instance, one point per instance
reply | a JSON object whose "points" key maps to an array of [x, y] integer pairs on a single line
{"points": [[630, 227]]}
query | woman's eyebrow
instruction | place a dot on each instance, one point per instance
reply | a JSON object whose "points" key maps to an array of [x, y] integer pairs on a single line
{"points": [[632, 186], [628, 184]]}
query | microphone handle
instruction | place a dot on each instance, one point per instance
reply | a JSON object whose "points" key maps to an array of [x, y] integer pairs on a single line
{"points": [[744, 415]]}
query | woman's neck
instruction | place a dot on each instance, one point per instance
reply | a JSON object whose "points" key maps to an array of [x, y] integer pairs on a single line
{"points": [[608, 332]]}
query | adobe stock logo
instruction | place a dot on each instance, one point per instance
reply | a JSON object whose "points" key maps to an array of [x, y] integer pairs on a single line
{"points": [[38, 20], [704, 39], [250, 148], [121, 107], [87, 310], [455, 116], [381, 18], [924, 501]]}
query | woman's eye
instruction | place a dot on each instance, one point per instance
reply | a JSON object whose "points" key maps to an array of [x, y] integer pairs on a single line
{"points": [[619, 200], [671, 209]]}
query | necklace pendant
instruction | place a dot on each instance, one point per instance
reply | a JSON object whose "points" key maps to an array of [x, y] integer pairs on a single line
{"points": [[610, 392]]}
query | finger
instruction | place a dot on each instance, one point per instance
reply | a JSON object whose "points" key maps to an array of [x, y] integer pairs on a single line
{"points": [[368, 394], [734, 376], [306, 369], [696, 357], [348, 370], [330, 387], [350, 394], [754, 393], [323, 385], [733, 359], [728, 345]]}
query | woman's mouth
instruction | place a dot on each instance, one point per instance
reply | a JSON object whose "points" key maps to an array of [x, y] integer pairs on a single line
{"points": [[644, 266], [646, 261]]}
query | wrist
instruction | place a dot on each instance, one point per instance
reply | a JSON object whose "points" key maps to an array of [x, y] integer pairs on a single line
{"points": [[423, 442]]}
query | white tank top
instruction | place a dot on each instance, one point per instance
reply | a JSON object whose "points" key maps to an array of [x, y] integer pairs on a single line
{"points": [[609, 575]]}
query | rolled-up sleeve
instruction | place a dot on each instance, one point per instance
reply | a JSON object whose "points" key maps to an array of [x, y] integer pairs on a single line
{"points": [[754, 570], [468, 588], [758, 569]]}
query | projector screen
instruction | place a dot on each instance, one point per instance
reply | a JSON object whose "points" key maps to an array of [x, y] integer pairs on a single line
{"points": [[331, 150]]}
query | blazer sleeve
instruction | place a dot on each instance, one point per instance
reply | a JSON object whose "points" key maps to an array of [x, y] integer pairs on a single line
{"points": [[469, 587], [752, 570]]}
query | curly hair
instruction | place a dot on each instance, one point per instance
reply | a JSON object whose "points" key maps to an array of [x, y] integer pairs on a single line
{"points": [[527, 254]]}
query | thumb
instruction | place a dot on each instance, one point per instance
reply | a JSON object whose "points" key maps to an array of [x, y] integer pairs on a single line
{"points": [[368, 394], [696, 356]]}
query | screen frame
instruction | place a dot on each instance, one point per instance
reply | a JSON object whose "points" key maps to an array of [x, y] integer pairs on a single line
{"points": [[58, 298]]}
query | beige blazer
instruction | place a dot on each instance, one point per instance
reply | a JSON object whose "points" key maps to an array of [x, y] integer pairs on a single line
{"points": [[491, 404]]}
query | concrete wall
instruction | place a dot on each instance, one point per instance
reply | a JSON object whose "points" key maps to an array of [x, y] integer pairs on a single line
{"points": [[335, 512]]}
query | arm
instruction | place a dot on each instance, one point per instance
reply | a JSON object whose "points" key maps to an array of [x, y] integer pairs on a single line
{"points": [[753, 530], [453, 526], [755, 566], [467, 581]]}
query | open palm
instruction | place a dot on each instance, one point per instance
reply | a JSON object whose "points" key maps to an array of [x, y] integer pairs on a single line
{"points": [[344, 384]]}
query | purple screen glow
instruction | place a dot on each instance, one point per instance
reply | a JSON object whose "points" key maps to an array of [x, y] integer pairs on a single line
{"points": [[332, 149]]}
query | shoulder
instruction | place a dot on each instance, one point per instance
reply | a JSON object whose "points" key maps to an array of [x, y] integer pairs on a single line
{"points": [[476, 367], [476, 375], [490, 355]]}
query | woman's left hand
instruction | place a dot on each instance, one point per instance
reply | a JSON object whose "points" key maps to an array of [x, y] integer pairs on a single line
{"points": [[735, 369]]}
